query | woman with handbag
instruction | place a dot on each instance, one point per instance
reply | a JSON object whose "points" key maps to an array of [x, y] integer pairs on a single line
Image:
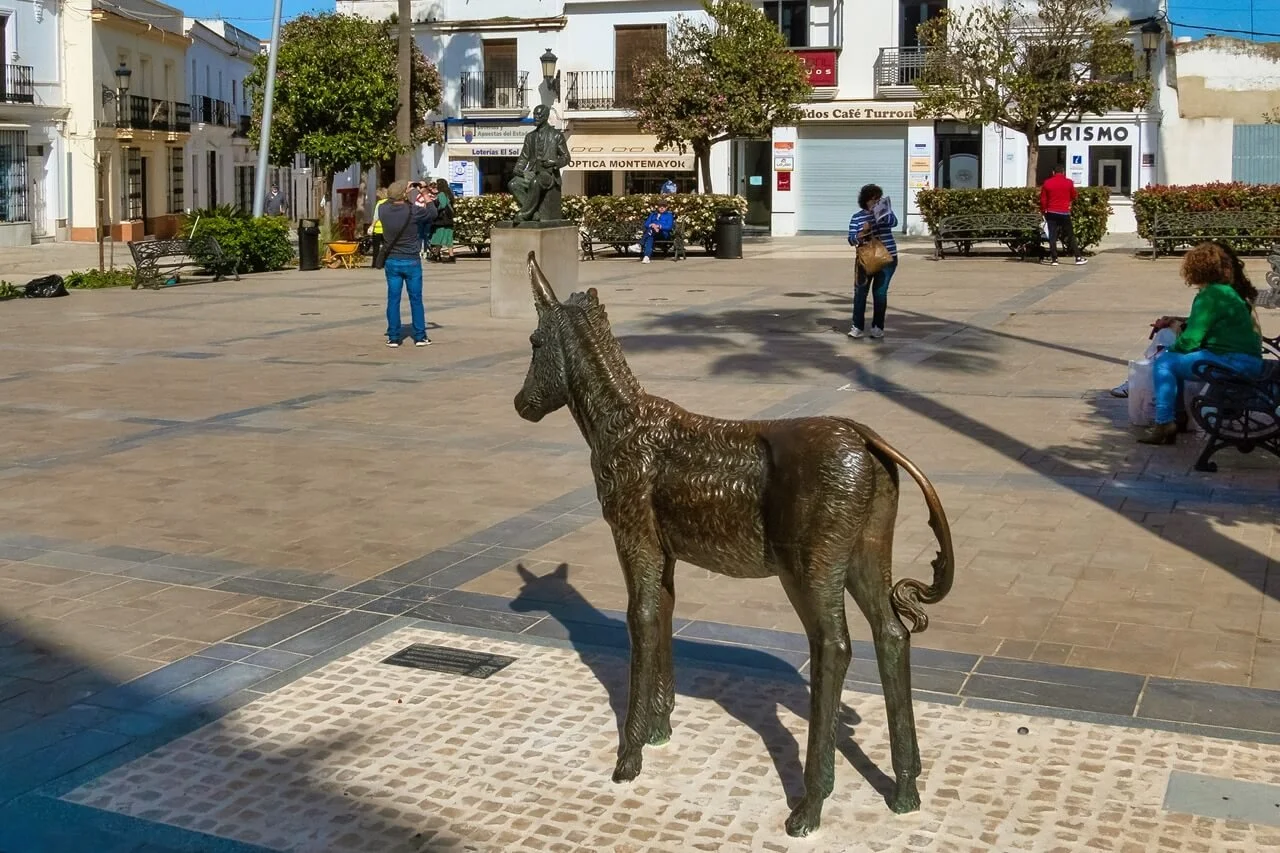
{"points": [[871, 233]]}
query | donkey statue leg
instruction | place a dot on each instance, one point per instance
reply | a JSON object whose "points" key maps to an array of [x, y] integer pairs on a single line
{"points": [[820, 606], [649, 606], [868, 582]]}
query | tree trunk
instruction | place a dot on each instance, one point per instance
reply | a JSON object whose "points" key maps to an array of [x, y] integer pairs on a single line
{"points": [[404, 56], [1033, 158], [702, 160]]}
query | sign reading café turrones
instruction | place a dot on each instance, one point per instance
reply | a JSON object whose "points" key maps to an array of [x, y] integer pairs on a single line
{"points": [[860, 111]]}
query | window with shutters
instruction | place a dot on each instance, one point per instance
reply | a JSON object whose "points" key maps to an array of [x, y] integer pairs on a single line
{"points": [[177, 187], [132, 183], [633, 47]]}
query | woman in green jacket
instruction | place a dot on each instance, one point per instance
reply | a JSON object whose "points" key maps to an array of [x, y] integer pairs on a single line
{"points": [[442, 235], [1222, 329]]}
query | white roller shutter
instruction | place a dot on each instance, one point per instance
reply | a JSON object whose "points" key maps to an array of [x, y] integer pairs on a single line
{"points": [[833, 162]]}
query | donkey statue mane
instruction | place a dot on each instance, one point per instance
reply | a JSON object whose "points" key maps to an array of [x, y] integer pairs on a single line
{"points": [[812, 501]]}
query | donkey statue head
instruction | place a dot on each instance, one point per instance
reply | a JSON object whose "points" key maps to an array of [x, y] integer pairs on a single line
{"points": [[576, 360]]}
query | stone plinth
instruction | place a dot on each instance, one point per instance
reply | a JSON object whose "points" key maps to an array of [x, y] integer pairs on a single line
{"points": [[557, 250]]}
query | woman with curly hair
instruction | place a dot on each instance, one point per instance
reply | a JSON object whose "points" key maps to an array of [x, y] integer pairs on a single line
{"points": [[1222, 329]]}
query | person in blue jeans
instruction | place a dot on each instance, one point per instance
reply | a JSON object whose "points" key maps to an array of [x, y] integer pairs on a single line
{"points": [[874, 218], [1222, 329], [400, 223], [658, 226]]}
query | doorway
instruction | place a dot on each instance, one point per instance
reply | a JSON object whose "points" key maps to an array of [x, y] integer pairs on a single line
{"points": [[35, 195], [212, 175], [752, 177], [146, 195]]}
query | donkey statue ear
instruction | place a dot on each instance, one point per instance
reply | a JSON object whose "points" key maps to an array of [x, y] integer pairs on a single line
{"points": [[525, 575], [543, 295]]}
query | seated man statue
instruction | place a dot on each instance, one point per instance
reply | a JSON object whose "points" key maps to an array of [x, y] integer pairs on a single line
{"points": [[536, 184], [658, 226]]}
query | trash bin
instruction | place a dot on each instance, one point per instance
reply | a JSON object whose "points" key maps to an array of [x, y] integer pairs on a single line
{"points": [[728, 234], [308, 244]]}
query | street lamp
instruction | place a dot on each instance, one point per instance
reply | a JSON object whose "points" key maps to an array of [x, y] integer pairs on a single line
{"points": [[549, 74], [123, 75], [1151, 34]]}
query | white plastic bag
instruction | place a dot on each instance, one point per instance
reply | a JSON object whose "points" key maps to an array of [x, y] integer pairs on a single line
{"points": [[1142, 393]]}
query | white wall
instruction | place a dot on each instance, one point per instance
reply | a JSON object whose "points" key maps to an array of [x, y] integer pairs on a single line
{"points": [[219, 59]]}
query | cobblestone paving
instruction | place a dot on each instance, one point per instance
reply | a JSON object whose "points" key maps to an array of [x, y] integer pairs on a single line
{"points": [[362, 756]]}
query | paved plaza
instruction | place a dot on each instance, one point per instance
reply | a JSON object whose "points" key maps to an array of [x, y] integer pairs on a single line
{"points": [[223, 505]]}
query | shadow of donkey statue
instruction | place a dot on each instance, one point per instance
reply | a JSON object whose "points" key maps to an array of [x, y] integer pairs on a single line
{"points": [[810, 500], [600, 639]]}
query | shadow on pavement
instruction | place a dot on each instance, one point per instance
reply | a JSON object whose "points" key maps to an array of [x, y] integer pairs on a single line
{"points": [[600, 638]]}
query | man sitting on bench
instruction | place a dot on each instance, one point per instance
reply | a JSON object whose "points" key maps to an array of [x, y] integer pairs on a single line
{"points": [[658, 226]]}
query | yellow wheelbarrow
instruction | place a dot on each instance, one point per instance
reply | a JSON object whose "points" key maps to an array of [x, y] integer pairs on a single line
{"points": [[343, 253]]}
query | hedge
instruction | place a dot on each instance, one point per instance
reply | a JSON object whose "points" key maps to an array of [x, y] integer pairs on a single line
{"points": [[475, 215], [1088, 214], [1206, 198], [261, 244]]}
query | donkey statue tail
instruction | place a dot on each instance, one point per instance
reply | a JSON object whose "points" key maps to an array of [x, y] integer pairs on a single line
{"points": [[909, 595]]}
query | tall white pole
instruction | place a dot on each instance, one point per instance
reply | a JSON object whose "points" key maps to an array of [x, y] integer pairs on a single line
{"points": [[264, 143]]}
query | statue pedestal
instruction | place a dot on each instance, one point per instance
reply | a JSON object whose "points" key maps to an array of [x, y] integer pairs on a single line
{"points": [[557, 248]]}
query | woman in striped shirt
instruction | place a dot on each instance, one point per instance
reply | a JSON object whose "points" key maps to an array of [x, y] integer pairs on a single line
{"points": [[874, 219]]}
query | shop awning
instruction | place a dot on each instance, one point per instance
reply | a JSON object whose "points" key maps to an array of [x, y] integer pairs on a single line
{"points": [[633, 152], [461, 151]]}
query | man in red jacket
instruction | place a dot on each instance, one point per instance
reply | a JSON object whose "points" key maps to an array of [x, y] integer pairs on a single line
{"points": [[1056, 196]]}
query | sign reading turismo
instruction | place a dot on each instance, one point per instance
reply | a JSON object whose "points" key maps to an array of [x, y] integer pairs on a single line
{"points": [[1088, 133]]}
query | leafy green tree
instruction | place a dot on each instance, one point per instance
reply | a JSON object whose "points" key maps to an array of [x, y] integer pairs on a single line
{"points": [[337, 95], [1029, 68], [732, 76]]}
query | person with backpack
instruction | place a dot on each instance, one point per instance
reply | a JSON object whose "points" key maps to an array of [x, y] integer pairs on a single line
{"points": [[442, 232]]}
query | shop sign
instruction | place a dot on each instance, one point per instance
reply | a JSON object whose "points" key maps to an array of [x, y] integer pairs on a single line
{"points": [[784, 163], [822, 67], [473, 151], [866, 111], [471, 133], [1088, 133]]}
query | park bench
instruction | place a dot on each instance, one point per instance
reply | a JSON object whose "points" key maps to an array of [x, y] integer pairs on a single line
{"points": [[1270, 298], [1169, 231], [1235, 411], [621, 235], [155, 260], [1019, 232]]}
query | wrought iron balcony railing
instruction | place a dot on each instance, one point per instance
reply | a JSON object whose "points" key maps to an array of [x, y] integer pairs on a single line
{"points": [[138, 112], [897, 69], [494, 90], [600, 90], [17, 86]]}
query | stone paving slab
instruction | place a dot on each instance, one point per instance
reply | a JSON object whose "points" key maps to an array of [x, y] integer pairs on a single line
{"points": [[361, 755]]}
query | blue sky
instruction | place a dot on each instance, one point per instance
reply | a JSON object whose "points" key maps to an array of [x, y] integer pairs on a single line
{"points": [[1197, 18], [254, 16]]}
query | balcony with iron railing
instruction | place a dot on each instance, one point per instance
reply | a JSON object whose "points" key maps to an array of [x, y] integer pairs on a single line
{"points": [[17, 86], [500, 91], [212, 111], [599, 90], [243, 126], [138, 112], [897, 71]]}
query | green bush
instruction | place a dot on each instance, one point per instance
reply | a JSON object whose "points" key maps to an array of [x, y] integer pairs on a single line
{"points": [[98, 279], [1088, 214], [1152, 201], [259, 245], [475, 215], [9, 291]]}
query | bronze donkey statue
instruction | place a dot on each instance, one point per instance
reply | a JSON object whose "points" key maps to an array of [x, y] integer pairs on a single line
{"points": [[811, 500]]}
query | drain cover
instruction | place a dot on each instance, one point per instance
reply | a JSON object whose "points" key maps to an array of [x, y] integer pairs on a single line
{"points": [[453, 661]]}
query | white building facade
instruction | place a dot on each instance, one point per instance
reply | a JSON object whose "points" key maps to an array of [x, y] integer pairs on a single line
{"points": [[129, 121], [220, 162], [489, 56], [33, 115], [861, 125]]}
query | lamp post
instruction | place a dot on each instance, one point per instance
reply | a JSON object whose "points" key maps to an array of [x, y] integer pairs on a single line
{"points": [[1151, 36], [550, 75], [123, 78]]}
